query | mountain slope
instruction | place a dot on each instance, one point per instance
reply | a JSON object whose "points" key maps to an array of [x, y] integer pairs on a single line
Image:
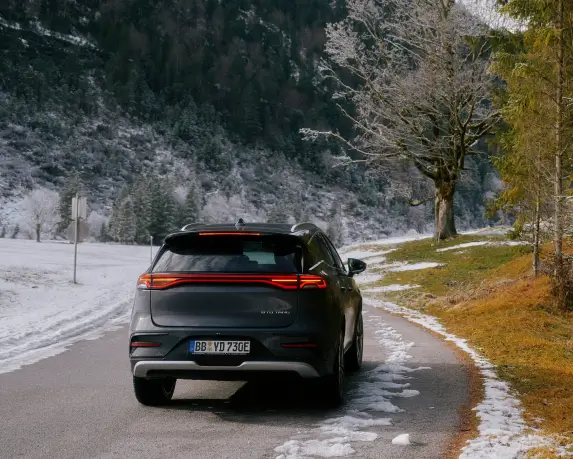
{"points": [[213, 90]]}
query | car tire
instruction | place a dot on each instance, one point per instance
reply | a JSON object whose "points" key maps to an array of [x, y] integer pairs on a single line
{"points": [[154, 392], [353, 358], [332, 386]]}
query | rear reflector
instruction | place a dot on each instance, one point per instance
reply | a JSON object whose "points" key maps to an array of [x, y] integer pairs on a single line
{"points": [[144, 344], [299, 345], [162, 281]]}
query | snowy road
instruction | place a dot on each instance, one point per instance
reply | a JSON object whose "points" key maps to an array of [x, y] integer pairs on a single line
{"points": [[79, 404]]}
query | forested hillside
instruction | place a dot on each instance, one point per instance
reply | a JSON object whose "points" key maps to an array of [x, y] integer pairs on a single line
{"points": [[207, 95]]}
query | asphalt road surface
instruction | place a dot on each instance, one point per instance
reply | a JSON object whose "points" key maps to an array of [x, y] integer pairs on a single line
{"points": [[80, 404]]}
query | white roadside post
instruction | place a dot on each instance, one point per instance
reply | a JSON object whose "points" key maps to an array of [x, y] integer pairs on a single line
{"points": [[79, 211], [150, 249]]}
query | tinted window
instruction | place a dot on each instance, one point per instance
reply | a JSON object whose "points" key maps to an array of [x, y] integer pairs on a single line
{"points": [[231, 254], [334, 253], [318, 252]]}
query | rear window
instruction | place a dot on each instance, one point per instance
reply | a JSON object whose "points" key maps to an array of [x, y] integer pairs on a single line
{"points": [[231, 254]]}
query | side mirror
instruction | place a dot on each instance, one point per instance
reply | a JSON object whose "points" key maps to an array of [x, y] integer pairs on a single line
{"points": [[355, 266]]}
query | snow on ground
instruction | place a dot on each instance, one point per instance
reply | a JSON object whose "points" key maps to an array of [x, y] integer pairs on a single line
{"points": [[412, 266], [503, 434], [482, 243], [490, 231], [39, 29], [390, 288], [376, 260], [402, 440], [368, 278], [366, 255], [42, 311], [371, 397], [412, 236]]}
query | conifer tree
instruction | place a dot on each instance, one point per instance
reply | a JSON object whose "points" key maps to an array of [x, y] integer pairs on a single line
{"points": [[278, 214], [142, 205], [103, 233], [335, 228], [539, 76], [73, 185], [124, 228], [192, 205]]}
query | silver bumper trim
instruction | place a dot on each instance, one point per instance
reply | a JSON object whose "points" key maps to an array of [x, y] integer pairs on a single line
{"points": [[303, 369]]}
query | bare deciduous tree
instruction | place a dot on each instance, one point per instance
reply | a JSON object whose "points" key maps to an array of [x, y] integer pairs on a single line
{"points": [[416, 76], [41, 211]]}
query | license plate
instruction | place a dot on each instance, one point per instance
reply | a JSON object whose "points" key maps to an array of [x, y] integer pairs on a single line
{"points": [[219, 347]]}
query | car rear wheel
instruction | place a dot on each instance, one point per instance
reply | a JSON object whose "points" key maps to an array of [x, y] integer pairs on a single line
{"points": [[353, 358], [154, 392], [332, 387]]}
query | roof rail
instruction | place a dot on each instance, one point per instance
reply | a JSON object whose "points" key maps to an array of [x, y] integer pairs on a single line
{"points": [[302, 226]]}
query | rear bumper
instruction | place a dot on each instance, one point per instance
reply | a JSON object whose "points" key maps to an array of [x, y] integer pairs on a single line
{"points": [[157, 368]]}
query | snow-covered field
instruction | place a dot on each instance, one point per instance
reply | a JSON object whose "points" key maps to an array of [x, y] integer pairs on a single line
{"points": [[42, 311]]}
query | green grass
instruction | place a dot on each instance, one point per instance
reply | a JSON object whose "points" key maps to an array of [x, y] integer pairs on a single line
{"points": [[460, 269]]}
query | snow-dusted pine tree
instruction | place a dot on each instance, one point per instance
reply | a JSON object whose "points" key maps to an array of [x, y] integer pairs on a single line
{"points": [[125, 226], [278, 214], [192, 205], [335, 228], [72, 185], [142, 206]]}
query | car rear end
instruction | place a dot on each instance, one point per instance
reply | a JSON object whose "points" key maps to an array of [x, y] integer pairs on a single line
{"points": [[232, 306]]}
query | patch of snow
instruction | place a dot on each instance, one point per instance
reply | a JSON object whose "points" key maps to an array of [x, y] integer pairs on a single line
{"points": [[463, 246], [372, 395], [415, 266], [13, 25], [38, 28], [402, 440], [390, 288], [482, 243], [42, 311], [376, 260], [412, 236], [366, 255], [367, 278], [490, 231], [73, 39], [402, 266], [503, 433]]}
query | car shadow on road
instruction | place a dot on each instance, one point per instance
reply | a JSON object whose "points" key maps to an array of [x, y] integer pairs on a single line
{"points": [[297, 397]]}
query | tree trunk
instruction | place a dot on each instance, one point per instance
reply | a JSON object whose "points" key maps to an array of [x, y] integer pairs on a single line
{"points": [[445, 226], [558, 179], [536, 225], [537, 213], [38, 231]]}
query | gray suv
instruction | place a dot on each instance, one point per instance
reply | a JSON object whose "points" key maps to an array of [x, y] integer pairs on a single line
{"points": [[243, 302]]}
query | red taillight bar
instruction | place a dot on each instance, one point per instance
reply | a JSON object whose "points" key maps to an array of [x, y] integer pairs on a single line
{"points": [[162, 281]]}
